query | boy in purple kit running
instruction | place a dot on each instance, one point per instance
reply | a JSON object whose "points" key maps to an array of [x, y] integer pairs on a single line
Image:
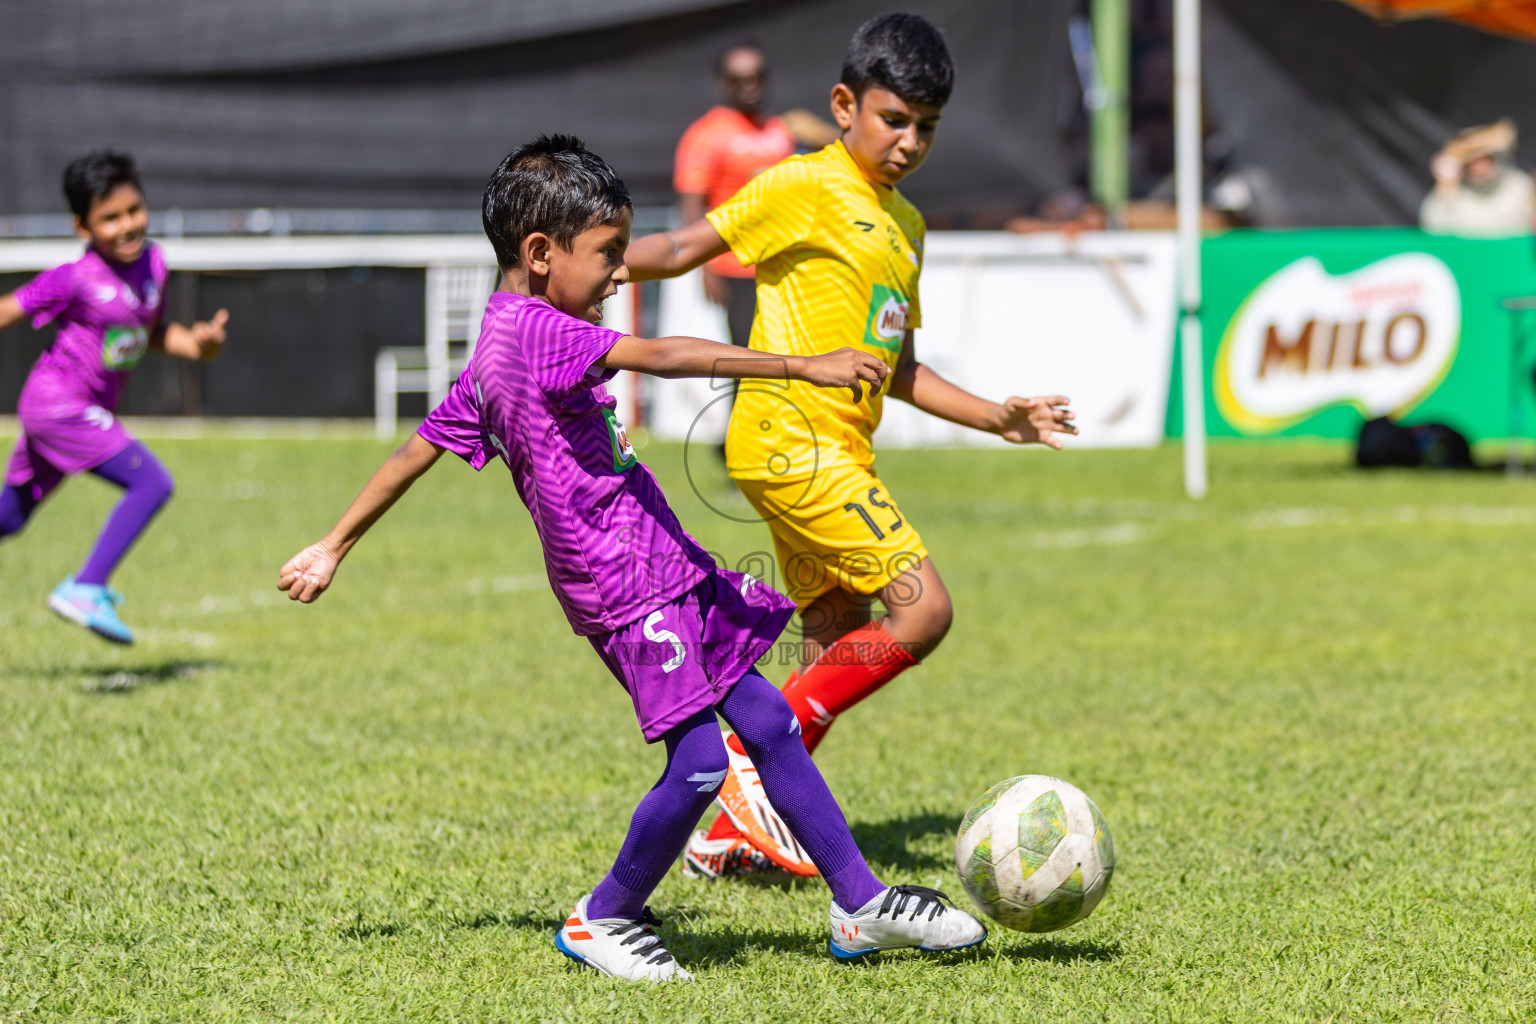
{"points": [[108, 305], [680, 634]]}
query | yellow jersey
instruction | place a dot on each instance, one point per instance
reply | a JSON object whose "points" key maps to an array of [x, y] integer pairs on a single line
{"points": [[837, 260]]}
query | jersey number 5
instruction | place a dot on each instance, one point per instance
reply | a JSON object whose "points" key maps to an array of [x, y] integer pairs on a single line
{"points": [[665, 636]]}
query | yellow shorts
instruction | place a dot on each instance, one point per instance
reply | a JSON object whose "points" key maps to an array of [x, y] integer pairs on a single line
{"points": [[837, 530]]}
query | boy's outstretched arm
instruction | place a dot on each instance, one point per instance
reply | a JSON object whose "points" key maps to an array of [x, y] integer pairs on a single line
{"points": [[695, 357], [10, 311], [670, 253], [1019, 420], [308, 573], [201, 342]]}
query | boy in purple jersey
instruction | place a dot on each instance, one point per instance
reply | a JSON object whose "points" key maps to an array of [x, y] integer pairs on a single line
{"points": [[109, 306], [680, 634]]}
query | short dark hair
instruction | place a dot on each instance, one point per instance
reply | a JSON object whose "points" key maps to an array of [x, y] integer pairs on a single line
{"points": [[553, 184], [904, 53], [744, 44], [91, 178]]}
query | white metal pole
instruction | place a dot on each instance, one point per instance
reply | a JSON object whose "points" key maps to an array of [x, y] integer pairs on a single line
{"points": [[386, 389], [437, 334], [1188, 160]]}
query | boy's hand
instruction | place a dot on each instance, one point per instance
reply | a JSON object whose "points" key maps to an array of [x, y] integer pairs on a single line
{"points": [[209, 334], [308, 573], [846, 368], [1035, 420]]}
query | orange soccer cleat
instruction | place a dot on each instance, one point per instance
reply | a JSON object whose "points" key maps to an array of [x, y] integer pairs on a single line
{"points": [[742, 798]]}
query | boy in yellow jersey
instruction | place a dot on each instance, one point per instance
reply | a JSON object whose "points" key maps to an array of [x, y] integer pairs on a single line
{"points": [[838, 251]]}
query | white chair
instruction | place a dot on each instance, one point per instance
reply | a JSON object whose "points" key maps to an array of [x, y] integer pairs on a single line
{"points": [[456, 297]]}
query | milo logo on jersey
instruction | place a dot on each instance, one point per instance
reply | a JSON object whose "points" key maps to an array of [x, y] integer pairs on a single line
{"points": [[123, 347], [887, 321], [623, 452]]}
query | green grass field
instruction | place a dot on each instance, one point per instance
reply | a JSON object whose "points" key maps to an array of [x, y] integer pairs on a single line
{"points": [[1304, 705]]}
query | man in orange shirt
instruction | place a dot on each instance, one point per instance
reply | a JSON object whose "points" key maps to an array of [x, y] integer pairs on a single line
{"points": [[717, 155]]}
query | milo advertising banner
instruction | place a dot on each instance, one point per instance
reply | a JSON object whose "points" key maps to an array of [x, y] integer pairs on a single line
{"points": [[1310, 333]]}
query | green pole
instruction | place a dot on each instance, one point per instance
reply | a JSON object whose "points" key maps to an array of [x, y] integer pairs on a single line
{"points": [[1111, 20]]}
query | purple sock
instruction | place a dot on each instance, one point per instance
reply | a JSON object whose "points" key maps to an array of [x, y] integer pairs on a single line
{"points": [[147, 487], [696, 765], [696, 757], [16, 507], [761, 717]]}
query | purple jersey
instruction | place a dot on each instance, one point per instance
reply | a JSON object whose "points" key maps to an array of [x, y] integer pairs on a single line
{"points": [[534, 393], [106, 313]]}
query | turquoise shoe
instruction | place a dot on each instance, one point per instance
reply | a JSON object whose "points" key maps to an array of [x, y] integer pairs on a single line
{"points": [[93, 606]]}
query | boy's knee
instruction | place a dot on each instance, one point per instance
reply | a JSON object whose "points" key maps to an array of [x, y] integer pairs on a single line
{"points": [[163, 486], [939, 625], [715, 761], [924, 624], [701, 766], [940, 618], [764, 732]]}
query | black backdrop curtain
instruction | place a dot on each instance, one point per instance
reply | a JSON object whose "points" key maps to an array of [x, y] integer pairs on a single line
{"points": [[405, 104]]}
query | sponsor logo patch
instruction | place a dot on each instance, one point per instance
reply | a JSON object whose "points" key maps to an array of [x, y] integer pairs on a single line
{"points": [[624, 457], [123, 347], [1380, 338], [887, 321]]}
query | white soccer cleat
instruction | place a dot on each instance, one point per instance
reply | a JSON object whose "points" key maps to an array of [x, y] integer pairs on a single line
{"points": [[901, 917], [732, 857], [617, 947]]}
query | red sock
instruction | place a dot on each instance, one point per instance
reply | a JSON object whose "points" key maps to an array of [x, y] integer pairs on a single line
{"points": [[723, 829], [852, 668]]}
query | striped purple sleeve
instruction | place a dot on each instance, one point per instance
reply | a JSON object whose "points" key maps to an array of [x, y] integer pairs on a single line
{"points": [[48, 294], [455, 424], [561, 351]]}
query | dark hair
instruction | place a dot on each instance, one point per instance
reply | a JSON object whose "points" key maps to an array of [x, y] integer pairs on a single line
{"points": [[745, 44], [904, 53], [93, 177], [554, 185]]}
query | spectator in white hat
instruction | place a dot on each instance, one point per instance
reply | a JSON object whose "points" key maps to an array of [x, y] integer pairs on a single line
{"points": [[1479, 192]]}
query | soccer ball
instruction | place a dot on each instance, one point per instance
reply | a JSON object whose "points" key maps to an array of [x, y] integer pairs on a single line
{"points": [[1035, 853]]}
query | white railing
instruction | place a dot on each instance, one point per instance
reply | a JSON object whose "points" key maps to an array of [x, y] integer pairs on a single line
{"points": [[456, 296]]}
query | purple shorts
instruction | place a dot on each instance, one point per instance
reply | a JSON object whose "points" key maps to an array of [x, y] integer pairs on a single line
{"points": [[50, 449], [686, 655], [62, 433]]}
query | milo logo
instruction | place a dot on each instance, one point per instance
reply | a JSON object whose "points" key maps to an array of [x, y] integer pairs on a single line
{"points": [[623, 452], [887, 321], [123, 347], [1379, 338]]}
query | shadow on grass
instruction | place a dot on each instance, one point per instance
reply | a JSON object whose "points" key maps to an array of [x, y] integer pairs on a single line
{"points": [[491, 919], [680, 930], [1053, 951], [362, 931], [705, 947], [710, 947], [131, 679], [889, 842], [1056, 951], [720, 949]]}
